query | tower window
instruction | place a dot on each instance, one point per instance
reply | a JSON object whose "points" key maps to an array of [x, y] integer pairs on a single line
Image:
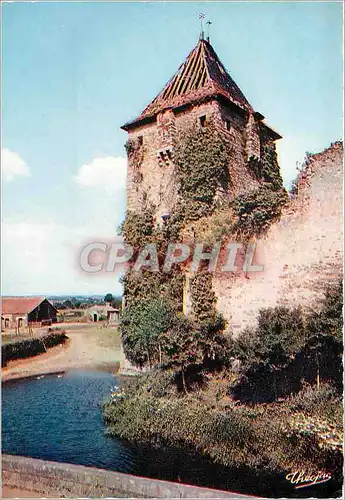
{"points": [[227, 124], [140, 140], [202, 120], [165, 156]]}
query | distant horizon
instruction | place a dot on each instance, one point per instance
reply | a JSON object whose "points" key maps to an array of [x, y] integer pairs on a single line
{"points": [[53, 295]]}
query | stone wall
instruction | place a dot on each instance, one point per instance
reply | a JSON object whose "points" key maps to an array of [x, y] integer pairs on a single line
{"points": [[74, 481], [301, 253], [9, 322]]}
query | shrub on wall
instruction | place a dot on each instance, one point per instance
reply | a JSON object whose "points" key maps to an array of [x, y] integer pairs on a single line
{"points": [[202, 296], [201, 160], [267, 167], [138, 227], [257, 210]]}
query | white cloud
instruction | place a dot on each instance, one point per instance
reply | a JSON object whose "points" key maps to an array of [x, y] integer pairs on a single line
{"points": [[43, 258], [12, 165], [107, 173]]}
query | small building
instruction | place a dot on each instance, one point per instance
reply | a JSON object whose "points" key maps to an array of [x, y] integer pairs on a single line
{"points": [[102, 312], [96, 312], [22, 313]]}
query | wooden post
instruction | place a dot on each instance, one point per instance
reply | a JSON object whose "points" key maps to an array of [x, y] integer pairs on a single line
{"points": [[317, 373], [160, 353], [185, 294]]}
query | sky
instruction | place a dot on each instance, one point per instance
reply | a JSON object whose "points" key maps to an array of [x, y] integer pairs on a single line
{"points": [[73, 73]]}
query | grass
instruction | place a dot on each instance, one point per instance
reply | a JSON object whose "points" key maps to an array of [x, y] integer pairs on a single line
{"points": [[109, 337]]}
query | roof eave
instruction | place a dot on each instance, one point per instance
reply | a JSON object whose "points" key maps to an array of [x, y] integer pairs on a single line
{"points": [[275, 136], [143, 120], [138, 122]]}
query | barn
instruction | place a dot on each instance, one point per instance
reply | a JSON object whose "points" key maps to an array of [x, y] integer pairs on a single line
{"points": [[22, 313]]}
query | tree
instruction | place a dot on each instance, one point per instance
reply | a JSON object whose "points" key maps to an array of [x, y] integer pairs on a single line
{"points": [[189, 343], [108, 298], [324, 346], [142, 323], [280, 333], [266, 351], [330, 318], [181, 345], [288, 347]]}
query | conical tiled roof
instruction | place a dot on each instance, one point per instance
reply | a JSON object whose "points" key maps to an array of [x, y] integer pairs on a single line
{"points": [[202, 75]]}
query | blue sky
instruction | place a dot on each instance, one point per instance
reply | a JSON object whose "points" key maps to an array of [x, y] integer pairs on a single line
{"points": [[73, 73]]}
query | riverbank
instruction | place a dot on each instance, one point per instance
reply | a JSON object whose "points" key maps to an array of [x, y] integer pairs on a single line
{"points": [[256, 445], [88, 346]]}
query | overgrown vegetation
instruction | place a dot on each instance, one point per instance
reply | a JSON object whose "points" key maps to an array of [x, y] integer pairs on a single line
{"points": [[288, 348], [201, 159], [261, 437], [191, 398], [138, 228], [258, 209], [267, 168], [134, 149], [261, 400], [143, 324]]}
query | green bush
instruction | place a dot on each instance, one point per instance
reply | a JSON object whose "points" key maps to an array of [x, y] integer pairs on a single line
{"points": [[280, 334], [244, 348], [289, 347], [202, 296], [258, 209], [31, 347], [141, 325], [322, 402], [329, 320], [267, 168], [138, 227]]}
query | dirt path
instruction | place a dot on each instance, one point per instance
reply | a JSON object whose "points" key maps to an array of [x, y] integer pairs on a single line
{"points": [[86, 348]]}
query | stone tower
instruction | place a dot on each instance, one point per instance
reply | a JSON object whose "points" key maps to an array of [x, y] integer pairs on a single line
{"points": [[200, 90]]}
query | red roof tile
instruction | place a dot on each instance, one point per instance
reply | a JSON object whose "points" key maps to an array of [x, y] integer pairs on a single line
{"points": [[19, 305], [202, 75]]}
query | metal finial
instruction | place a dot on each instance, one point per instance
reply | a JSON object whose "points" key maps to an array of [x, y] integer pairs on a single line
{"points": [[201, 17]]}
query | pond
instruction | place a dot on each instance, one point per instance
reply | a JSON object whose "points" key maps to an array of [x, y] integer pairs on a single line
{"points": [[58, 417]]}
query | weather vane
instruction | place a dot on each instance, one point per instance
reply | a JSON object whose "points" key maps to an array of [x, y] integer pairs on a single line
{"points": [[201, 17]]}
